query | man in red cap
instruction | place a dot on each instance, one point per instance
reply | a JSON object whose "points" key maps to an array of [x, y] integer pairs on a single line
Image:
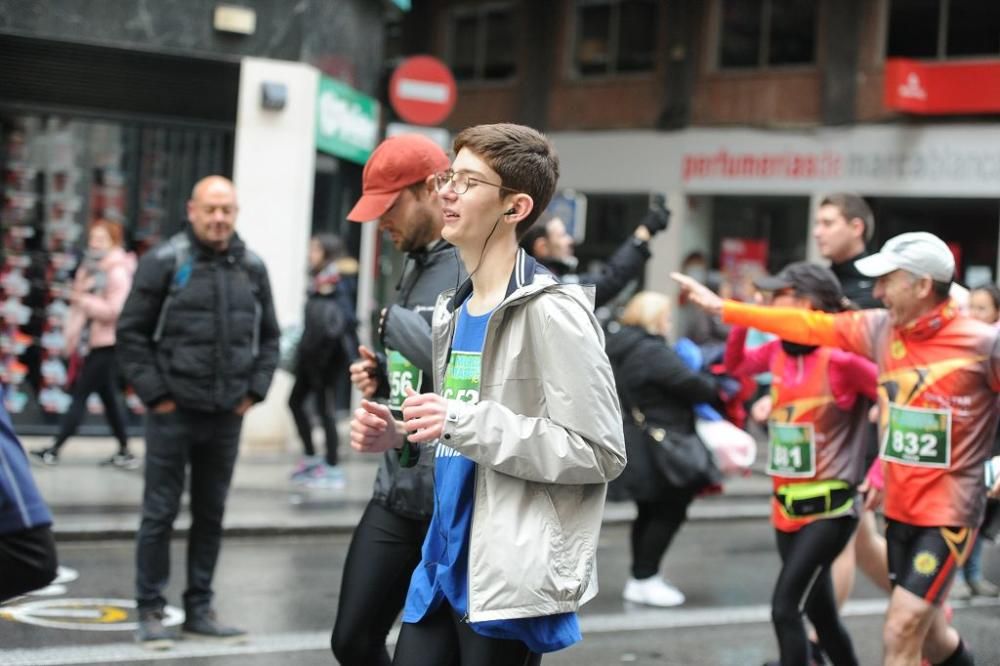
{"points": [[399, 191]]}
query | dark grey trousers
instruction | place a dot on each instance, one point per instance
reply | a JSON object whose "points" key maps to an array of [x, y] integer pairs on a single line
{"points": [[208, 443]]}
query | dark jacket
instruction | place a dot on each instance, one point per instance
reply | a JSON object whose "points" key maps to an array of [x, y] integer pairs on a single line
{"points": [[21, 505], [856, 286], [329, 332], [625, 265], [219, 340], [407, 329], [407, 324], [653, 378]]}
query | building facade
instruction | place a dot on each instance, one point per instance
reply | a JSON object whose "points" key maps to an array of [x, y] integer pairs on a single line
{"points": [[744, 112], [115, 109]]}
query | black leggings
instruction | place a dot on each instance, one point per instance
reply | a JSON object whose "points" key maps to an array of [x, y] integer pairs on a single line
{"points": [[653, 530], [442, 639], [27, 561], [383, 553], [96, 376], [324, 409], [805, 583]]}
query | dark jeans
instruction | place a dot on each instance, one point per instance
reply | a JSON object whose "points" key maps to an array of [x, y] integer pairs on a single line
{"points": [[208, 442], [384, 551], [27, 561], [98, 376], [324, 395], [653, 530]]}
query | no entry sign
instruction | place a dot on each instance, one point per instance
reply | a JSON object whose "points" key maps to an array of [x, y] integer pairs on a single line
{"points": [[422, 90]]}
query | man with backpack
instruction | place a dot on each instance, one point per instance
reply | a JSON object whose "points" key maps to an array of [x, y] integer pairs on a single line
{"points": [[199, 343]]}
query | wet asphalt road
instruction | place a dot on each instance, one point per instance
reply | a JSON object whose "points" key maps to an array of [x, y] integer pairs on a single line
{"points": [[284, 591]]}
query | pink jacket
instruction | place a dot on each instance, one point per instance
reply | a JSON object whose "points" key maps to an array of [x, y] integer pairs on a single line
{"points": [[102, 309]]}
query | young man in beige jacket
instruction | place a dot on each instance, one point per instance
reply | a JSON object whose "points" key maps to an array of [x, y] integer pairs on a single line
{"points": [[525, 426]]}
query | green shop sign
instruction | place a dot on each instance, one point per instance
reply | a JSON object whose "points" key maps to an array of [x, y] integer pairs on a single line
{"points": [[346, 121]]}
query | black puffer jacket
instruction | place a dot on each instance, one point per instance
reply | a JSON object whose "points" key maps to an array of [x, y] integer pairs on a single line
{"points": [[219, 340], [657, 380], [653, 377]]}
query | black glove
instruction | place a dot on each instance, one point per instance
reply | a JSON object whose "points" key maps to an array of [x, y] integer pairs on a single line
{"points": [[656, 220]]}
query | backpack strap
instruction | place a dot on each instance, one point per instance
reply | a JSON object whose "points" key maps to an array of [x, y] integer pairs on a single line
{"points": [[255, 269], [177, 250]]}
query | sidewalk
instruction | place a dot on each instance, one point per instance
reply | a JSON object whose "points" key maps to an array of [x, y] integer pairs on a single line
{"points": [[91, 502]]}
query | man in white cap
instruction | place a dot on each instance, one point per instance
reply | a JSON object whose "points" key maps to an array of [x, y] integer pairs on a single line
{"points": [[939, 372]]}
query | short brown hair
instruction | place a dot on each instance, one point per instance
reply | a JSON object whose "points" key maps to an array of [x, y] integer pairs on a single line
{"points": [[852, 206], [113, 228], [523, 157]]}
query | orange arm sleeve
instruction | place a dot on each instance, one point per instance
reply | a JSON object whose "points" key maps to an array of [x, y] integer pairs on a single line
{"points": [[806, 327]]}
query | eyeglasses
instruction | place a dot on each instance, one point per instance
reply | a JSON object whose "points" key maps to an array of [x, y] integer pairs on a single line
{"points": [[460, 181]]}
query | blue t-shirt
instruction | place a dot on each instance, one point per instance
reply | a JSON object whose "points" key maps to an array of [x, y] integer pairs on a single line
{"points": [[443, 572]]}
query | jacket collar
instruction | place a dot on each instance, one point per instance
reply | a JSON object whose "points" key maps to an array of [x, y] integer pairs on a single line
{"points": [[526, 270], [927, 325], [847, 268]]}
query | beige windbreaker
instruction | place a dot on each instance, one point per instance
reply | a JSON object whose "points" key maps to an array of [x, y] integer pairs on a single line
{"points": [[546, 437]]}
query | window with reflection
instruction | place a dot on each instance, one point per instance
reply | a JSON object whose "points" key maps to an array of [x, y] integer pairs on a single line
{"points": [[615, 36], [766, 33]]}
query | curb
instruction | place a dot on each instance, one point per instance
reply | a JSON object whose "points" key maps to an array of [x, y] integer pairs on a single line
{"points": [[616, 513]]}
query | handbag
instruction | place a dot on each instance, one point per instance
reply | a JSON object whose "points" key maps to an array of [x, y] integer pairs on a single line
{"points": [[682, 459], [734, 448]]}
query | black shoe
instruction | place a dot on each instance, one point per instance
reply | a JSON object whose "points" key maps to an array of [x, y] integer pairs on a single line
{"points": [[204, 624], [152, 634], [49, 456]]}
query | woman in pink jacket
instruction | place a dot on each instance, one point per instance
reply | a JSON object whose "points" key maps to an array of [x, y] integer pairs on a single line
{"points": [[99, 290]]}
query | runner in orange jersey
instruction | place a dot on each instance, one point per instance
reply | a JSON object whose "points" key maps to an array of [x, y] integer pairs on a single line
{"points": [[938, 376]]}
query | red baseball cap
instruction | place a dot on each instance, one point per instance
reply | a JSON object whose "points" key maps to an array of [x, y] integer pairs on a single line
{"points": [[397, 162]]}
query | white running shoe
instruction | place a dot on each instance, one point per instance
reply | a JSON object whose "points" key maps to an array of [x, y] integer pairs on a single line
{"points": [[652, 591]]}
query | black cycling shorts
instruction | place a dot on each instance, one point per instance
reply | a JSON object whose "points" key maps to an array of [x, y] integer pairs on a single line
{"points": [[923, 560]]}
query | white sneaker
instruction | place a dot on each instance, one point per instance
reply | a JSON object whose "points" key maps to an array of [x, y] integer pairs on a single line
{"points": [[652, 591]]}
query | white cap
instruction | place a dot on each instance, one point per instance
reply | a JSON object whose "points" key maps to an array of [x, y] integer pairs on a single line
{"points": [[918, 252]]}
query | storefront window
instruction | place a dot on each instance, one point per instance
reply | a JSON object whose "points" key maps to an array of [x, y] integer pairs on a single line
{"points": [[751, 236], [969, 226], [58, 175]]}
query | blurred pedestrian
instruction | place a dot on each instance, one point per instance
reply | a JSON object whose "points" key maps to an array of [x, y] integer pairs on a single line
{"points": [[655, 382], [328, 344], [199, 342], [27, 548], [984, 305], [101, 284], [843, 228], [700, 327], [816, 461], [399, 191], [548, 241]]}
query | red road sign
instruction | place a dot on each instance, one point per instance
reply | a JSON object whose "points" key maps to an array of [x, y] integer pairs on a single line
{"points": [[422, 90]]}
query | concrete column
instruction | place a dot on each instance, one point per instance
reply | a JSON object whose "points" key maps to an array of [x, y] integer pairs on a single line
{"points": [[273, 168]]}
